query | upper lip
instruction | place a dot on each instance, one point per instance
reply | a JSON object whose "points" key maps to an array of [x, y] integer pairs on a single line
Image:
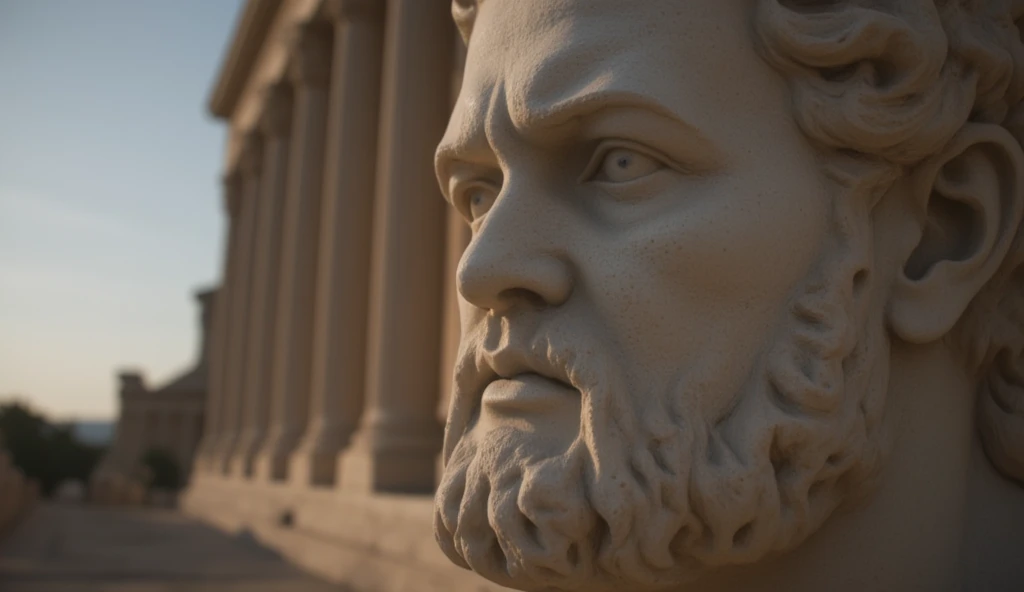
{"points": [[510, 362]]}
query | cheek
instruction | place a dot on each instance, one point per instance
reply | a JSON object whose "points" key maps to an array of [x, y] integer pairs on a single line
{"points": [[735, 239], [702, 285]]}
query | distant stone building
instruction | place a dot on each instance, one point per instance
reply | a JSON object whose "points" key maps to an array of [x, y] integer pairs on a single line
{"points": [[17, 493], [168, 418], [337, 325]]}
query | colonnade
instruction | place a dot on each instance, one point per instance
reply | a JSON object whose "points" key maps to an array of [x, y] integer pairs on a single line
{"points": [[333, 335]]}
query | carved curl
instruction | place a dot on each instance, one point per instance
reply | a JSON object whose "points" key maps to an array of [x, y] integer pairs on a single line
{"points": [[893, 81]]}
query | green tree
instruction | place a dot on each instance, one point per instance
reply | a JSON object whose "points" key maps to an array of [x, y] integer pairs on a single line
{"points": [[45, 451], [163, 469]]}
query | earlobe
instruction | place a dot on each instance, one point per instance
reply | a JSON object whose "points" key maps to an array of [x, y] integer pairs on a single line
{"points": [[968, 203]]}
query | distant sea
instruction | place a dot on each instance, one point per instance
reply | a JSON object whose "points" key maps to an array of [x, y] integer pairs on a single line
{"points": [[98, 433]]}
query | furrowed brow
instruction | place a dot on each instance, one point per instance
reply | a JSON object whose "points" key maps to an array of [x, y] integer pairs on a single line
{"points": [[531, 121]]}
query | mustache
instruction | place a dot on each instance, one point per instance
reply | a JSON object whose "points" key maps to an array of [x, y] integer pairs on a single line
{"points": [[501, 347]]}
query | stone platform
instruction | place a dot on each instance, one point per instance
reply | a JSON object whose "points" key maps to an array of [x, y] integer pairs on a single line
{"points": [[74, 548], [379, 543]]}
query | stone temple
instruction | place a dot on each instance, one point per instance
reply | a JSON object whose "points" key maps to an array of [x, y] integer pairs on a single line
{"points": [[336, 325]]}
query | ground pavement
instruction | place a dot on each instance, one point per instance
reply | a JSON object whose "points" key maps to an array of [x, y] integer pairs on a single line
{"points": [[76, 548]]}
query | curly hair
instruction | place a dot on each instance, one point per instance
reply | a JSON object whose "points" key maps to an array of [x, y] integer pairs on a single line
{"points": [[890, 83], [893, 81]]}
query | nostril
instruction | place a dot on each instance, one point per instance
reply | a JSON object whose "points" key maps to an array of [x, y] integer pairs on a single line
{"points": [[522, 296], [492, 275]]}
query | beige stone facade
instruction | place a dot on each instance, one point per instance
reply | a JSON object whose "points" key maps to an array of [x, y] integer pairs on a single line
{"points": [[168, 418], [336, 327]]}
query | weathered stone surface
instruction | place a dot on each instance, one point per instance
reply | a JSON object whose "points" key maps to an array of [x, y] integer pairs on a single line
{"points": [[742, 305]]}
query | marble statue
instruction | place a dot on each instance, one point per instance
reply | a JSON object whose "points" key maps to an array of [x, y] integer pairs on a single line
{"points": [[743, 307]]}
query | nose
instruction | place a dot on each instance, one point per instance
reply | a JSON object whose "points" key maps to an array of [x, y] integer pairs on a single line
{"points": [[515, 258]]}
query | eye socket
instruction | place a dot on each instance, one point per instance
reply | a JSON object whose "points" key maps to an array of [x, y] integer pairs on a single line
{"points": [[622, 164], [477, 200]]}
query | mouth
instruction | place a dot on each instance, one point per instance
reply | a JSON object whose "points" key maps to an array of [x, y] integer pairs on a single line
{"points": [[527, 393], [523, 384]]}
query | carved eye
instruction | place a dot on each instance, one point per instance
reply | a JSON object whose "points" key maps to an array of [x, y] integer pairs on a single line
{"points": [[622, 165], [479, 199]]}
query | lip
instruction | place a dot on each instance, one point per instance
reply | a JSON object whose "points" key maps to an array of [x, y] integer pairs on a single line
{"points": [[526, 393]]}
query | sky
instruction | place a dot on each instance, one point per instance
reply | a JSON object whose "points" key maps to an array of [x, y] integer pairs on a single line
{"points": [[110, 206]]}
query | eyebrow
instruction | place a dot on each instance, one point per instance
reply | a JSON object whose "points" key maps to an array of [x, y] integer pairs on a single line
{"points": [[529, 123]]}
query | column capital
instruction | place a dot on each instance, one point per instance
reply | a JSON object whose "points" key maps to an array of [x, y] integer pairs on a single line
{"points": [[232, 190], [251, 158], [342, 11], [276, 116], [310, 60]]}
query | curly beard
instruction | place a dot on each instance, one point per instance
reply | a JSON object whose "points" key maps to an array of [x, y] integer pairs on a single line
{"points": [[652, 493]]}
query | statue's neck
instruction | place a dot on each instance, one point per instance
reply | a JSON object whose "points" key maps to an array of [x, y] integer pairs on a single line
{"points": [[994, 537], [908, 535]]}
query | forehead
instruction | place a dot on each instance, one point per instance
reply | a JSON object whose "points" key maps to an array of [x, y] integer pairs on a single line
{"points": [[695, 57]]}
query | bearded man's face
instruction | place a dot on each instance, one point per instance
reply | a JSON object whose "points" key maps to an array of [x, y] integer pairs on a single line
{"points": [[667, 363]]}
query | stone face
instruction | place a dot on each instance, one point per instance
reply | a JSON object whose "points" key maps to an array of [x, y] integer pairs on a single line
{"points": [[740, 310]]}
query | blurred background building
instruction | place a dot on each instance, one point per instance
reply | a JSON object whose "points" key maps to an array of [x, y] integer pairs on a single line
{"points": [[17, 493], [158, 429], [335, 327], [335, 333]]}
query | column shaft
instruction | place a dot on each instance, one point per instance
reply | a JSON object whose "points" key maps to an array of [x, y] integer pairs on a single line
{"points": [[213, 431], [293, 341], [399, 434], [339, 338], [240, 296], [186, 441], [265, 275]]}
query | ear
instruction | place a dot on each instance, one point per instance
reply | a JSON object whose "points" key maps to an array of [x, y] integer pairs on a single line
{"points": [[968, 204]]}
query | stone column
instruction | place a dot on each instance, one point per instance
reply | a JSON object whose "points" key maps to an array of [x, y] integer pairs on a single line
{"points": [[399, 434], [131, 441], [339, 334], [186, 438], [274, 123], [115, 451], [217, 361], [207, 301], [251, 163], [309, 71]]}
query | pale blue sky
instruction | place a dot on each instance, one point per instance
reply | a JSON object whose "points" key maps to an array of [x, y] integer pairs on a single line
{"points": [[110, 213]]}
